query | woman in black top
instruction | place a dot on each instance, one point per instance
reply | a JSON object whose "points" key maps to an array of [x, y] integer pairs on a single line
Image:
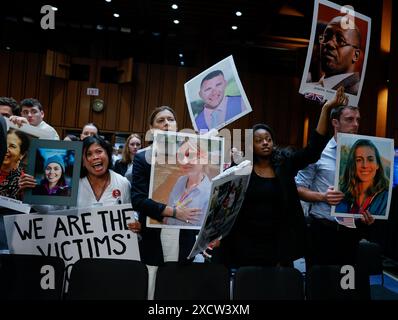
{"points": [[270, 227], [124, 166]]}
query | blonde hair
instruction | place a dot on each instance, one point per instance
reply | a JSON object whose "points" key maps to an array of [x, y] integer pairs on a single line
{"points": [[126, 152]]}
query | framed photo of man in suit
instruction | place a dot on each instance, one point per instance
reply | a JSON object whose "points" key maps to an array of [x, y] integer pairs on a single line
{"points": [[216, 97], [337, 52]]}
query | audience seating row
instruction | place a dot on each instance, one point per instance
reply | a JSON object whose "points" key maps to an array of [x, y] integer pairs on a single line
{"points": [[32, 277]]}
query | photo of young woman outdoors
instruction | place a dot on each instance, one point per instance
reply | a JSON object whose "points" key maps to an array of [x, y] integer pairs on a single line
{"points": [[365, 175]]}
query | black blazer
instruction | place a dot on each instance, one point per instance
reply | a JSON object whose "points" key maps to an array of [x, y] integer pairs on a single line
{"points": [[150, 244], [120, 167]]}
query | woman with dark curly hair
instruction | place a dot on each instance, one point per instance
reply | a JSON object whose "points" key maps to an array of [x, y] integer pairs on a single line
{"points": [[13, 167], [270, 229], [364, 182]]}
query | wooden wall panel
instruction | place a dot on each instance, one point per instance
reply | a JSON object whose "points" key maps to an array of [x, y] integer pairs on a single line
{"points": [[112, 107], [44, 95], [274, 99], [72, 102], [169, 85], [83, 114], [139, 112], [57, 103], [180, 104], [17, 75], [6, 73], [153, 84], [32, 75], [124, 117]]}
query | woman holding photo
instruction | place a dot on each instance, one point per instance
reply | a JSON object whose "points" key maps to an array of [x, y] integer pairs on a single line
{"points": [[270, 229], [98, 184], [157, 245], [364, 183]]}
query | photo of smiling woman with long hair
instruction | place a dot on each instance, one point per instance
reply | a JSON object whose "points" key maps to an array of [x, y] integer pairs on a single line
{"points": [[364, 181]]}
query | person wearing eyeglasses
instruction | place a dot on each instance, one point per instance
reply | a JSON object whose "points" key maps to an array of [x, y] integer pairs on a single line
{"points": [[339, 54]]}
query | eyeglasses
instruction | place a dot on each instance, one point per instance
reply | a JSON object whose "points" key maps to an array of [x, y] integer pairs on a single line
{"points": [[338, 38]]}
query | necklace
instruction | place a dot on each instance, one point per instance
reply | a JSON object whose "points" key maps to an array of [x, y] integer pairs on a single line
{"points": [[102, 188]]}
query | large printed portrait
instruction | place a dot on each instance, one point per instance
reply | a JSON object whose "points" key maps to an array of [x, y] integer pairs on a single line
{"points": [[364, 173], [56, 167], [216, 97], [337, 52], [183, 165]]}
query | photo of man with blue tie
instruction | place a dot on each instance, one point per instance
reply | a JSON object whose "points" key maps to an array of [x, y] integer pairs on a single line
{"points": [[218, 107], [215, 97]]}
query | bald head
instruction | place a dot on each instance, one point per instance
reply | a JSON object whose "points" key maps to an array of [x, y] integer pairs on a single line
{"points": [[340, 46]]}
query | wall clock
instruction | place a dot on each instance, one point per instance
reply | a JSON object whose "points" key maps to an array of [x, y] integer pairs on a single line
{"points": [[98, 105]]}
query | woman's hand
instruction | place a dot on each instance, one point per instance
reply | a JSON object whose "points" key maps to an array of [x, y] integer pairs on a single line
{"points": [[188, 215], [26, 181], [367, 218], [134, 226]]}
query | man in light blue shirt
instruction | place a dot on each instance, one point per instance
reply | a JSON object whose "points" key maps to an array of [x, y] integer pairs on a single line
{"points": [[331, 241]]}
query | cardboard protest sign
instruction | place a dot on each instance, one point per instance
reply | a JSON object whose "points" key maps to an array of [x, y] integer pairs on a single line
{"points": [[97, 232]]}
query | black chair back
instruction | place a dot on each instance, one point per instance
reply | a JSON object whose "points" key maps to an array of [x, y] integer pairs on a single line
{"points": [[268, 283], [197, 281], [108, 279], [331, 282], [31, 277]]}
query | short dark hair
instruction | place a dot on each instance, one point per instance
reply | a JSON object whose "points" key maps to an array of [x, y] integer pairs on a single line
{"points": [[211, 75], [265, 127], [87, 142], [158, 110], [31, 102], [72, 137], [336, 112], [10, 102]]}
